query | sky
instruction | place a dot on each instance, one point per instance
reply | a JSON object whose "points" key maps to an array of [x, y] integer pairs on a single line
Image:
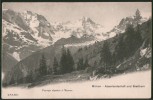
{"points": [[107, 14]]}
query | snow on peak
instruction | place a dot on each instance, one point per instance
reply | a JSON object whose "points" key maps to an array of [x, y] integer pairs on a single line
{"points": [[31, 19], [79, 27]]}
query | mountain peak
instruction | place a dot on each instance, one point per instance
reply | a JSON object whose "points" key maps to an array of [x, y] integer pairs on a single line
{"points": [[27, 11], [85, 18], [133, 20]]}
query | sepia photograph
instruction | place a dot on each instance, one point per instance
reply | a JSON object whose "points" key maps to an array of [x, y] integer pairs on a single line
{"points": [[55, 50]]}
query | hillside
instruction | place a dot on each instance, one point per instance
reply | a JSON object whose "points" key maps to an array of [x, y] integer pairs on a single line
{"points": [[92, 53]]}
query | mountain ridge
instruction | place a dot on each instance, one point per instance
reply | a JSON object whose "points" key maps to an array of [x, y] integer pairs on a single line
{"points": [[33, 30], [21, 43]]}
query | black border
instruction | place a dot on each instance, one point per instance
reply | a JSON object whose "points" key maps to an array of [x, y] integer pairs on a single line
{"points": [[2, 1], [76, 0]]}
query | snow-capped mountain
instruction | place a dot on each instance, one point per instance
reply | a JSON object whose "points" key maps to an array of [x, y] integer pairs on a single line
{"points": [[78, 28], [35, 24], [133, 20], [26, 32], [92, 53]]}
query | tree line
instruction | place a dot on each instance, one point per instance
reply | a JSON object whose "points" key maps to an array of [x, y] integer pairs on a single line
{"points": [[125, 48], [127, 45], [64, 65]]}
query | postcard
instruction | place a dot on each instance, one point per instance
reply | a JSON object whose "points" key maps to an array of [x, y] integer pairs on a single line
{"points": [[56, 50]]}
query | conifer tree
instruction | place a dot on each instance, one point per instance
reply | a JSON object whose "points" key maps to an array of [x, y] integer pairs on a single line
{"points": [[42, 66], [63, 61], [106, 56], [86, 64], [137, 38], [66, 61], [120, 50], [80, 64], [129, 41], [70, 61], [138, 15], [55, 65], [29, 77]]}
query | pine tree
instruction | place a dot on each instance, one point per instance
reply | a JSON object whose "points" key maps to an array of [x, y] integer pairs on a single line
{"points": [[43, 66], [80, 64], [138, 38], [29, 77], [70, 61], [129, 41], [106, 56], [55, 65], [119, 51], [63, 61], [66, 61], [138, 15], [86, 63]]}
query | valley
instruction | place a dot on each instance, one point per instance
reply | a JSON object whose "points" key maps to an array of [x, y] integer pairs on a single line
{"points": [[37, 52]]}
